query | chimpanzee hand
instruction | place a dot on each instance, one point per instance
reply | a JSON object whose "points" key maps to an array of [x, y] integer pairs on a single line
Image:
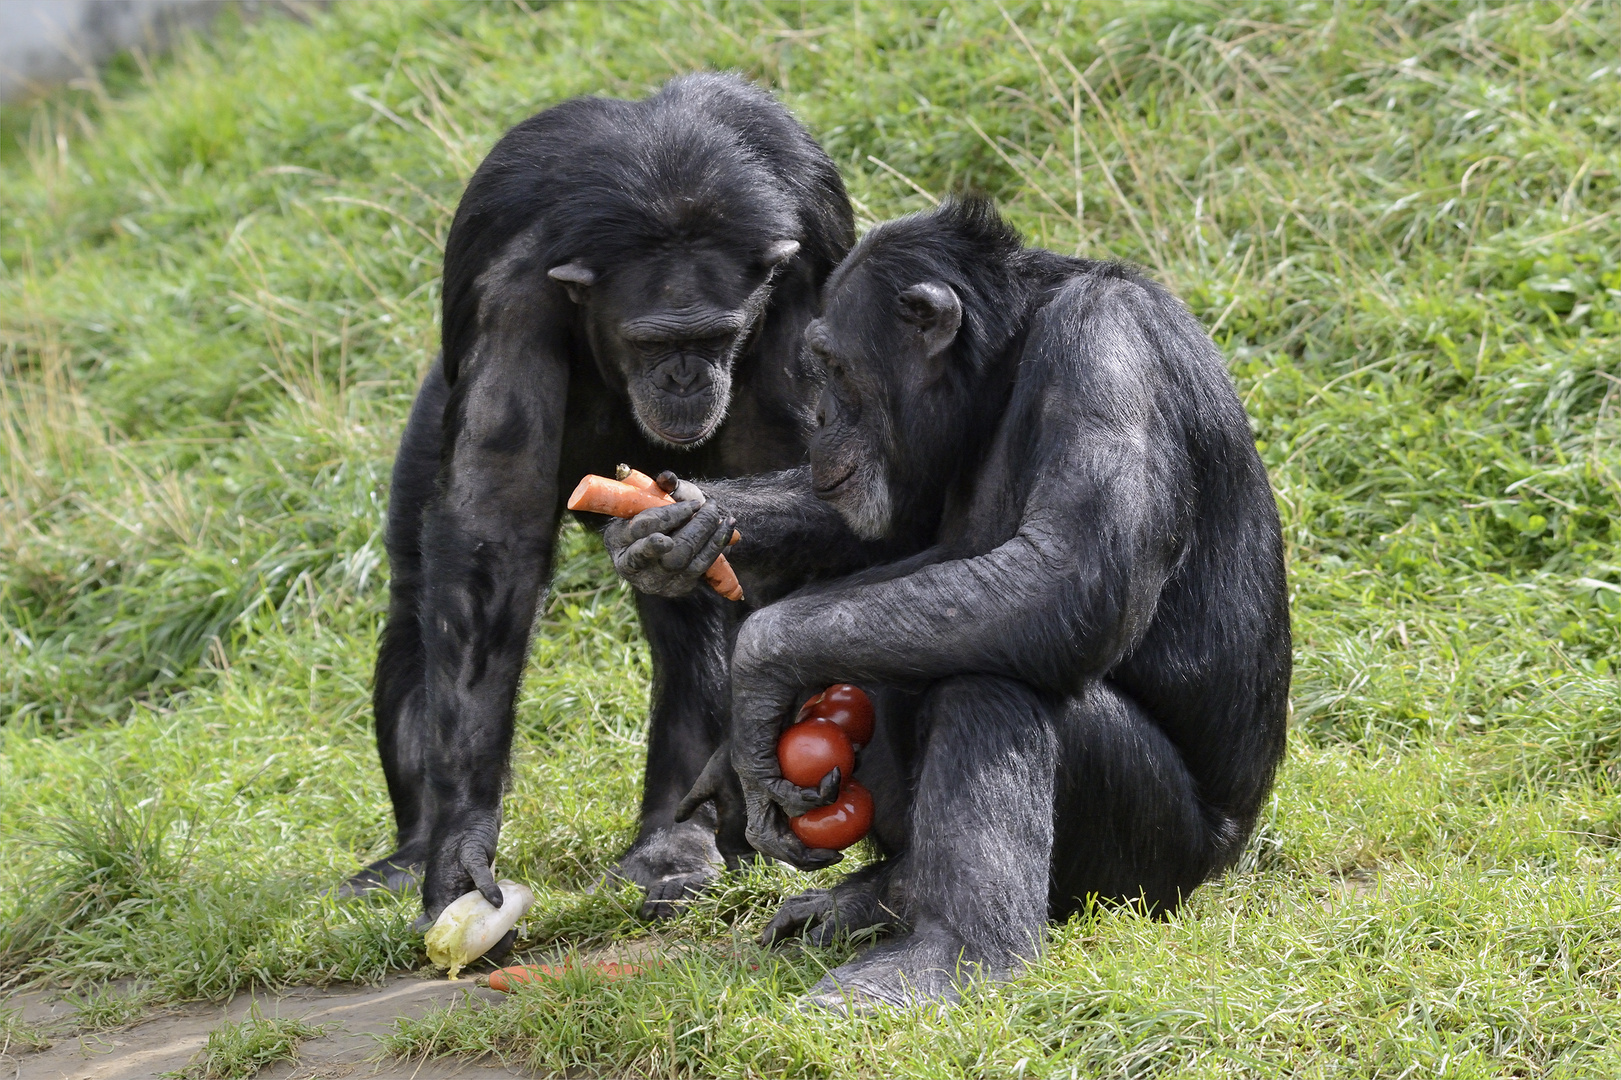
{"points": [[665, 551], [760, 803], [460, 859], [764, 689]]}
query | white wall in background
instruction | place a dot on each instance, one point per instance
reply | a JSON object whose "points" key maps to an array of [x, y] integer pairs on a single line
{"points": [[46, 42]]}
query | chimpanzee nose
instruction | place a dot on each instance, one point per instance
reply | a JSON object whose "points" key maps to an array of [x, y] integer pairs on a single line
{"points": [[681, 374]]}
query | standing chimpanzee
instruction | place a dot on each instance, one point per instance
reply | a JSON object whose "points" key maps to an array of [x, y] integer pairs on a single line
{"points": [[1083, 665], [624, 281]]}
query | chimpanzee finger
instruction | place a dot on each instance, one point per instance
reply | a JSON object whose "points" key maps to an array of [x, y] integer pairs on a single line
{"points": [[709, 784], [694, 536], [677, 488], [796, 915], [776, 840], [660, 519], [796, 800], [828, 789], [686, 490], [483, 878], [645, 554], [712, 548]]}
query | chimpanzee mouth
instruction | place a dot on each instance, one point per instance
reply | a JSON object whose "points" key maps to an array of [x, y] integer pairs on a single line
{"points": [[689, 425], [824, 490], [685, 440]]}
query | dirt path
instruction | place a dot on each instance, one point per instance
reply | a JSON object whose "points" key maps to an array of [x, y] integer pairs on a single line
{"points": [[170, 1040]]}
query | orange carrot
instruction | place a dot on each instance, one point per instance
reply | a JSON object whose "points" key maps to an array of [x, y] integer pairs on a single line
{"points": [[509, 979], [616, 498], [642, 482], [600, 495]]}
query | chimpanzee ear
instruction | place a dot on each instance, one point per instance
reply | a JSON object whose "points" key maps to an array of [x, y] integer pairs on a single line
{"points": [[576, 278], [934, 309], [781, 252]]}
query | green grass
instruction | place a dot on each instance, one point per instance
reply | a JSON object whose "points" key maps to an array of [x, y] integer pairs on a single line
{"points": [[219, 286], [235, 1051], [108, 1008]]}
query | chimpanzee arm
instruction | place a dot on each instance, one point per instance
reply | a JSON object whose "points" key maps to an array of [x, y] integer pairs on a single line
{"points": [[487, 538], [1063, 600], [788, 531], [788, 536]]}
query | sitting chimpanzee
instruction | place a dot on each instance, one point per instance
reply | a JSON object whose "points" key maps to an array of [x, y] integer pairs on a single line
{"points": [[624, 281], [1087, 654]]}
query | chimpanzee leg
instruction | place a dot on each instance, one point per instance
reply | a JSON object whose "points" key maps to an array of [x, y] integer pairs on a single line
{"points": [[972, 885], [688, 638], [397, 684], [888, 768], [1129, 822], [1023, 807]]}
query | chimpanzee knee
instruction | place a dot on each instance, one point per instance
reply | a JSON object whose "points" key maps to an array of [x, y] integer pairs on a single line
{"points": [[982, 824], [1129, 823]]}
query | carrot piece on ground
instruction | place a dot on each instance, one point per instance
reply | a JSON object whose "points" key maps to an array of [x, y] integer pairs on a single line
{"points": [[509, 979]]}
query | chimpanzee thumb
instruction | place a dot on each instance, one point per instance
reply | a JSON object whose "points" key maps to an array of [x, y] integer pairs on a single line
{"points": [[709, 784], [483, 879]]}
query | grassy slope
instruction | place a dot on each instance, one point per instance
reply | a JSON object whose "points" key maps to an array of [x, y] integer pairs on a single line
{"points": [[219, 284]]}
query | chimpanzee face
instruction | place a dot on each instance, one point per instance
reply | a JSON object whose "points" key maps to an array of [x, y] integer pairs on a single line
{"points": [[883, 352], [669, 327]]}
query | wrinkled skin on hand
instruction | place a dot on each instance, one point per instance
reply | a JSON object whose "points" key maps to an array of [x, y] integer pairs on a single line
{"points": [[666, 550], [764, 699], [460, 861], [768, 804]]}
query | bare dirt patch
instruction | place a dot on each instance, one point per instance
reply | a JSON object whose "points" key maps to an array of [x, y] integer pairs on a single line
{"points": [[171, 1038]]}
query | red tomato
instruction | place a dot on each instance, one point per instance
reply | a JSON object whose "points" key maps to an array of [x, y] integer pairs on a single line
{"points": [[839, 824], [847, 707], [811, 749]]}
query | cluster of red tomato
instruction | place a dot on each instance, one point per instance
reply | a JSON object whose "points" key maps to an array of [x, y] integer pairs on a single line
{"points": [[831, 727]]}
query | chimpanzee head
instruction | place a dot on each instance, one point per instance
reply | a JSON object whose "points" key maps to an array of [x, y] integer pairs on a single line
{"points": [[670, 223], [669, 322], [913, 322]]}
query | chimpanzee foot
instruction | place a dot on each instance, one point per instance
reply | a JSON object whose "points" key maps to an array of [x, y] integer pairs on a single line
{"points": [[821, 915], [398, 872], [667, 896], [914, 970], [673, 864]]}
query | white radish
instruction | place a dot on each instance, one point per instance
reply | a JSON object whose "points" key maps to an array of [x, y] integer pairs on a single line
{"points": [[470, 925]]}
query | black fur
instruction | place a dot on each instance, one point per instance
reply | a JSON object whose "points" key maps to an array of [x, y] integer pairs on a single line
{"points": [[624, 281], [1082, 654]]}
